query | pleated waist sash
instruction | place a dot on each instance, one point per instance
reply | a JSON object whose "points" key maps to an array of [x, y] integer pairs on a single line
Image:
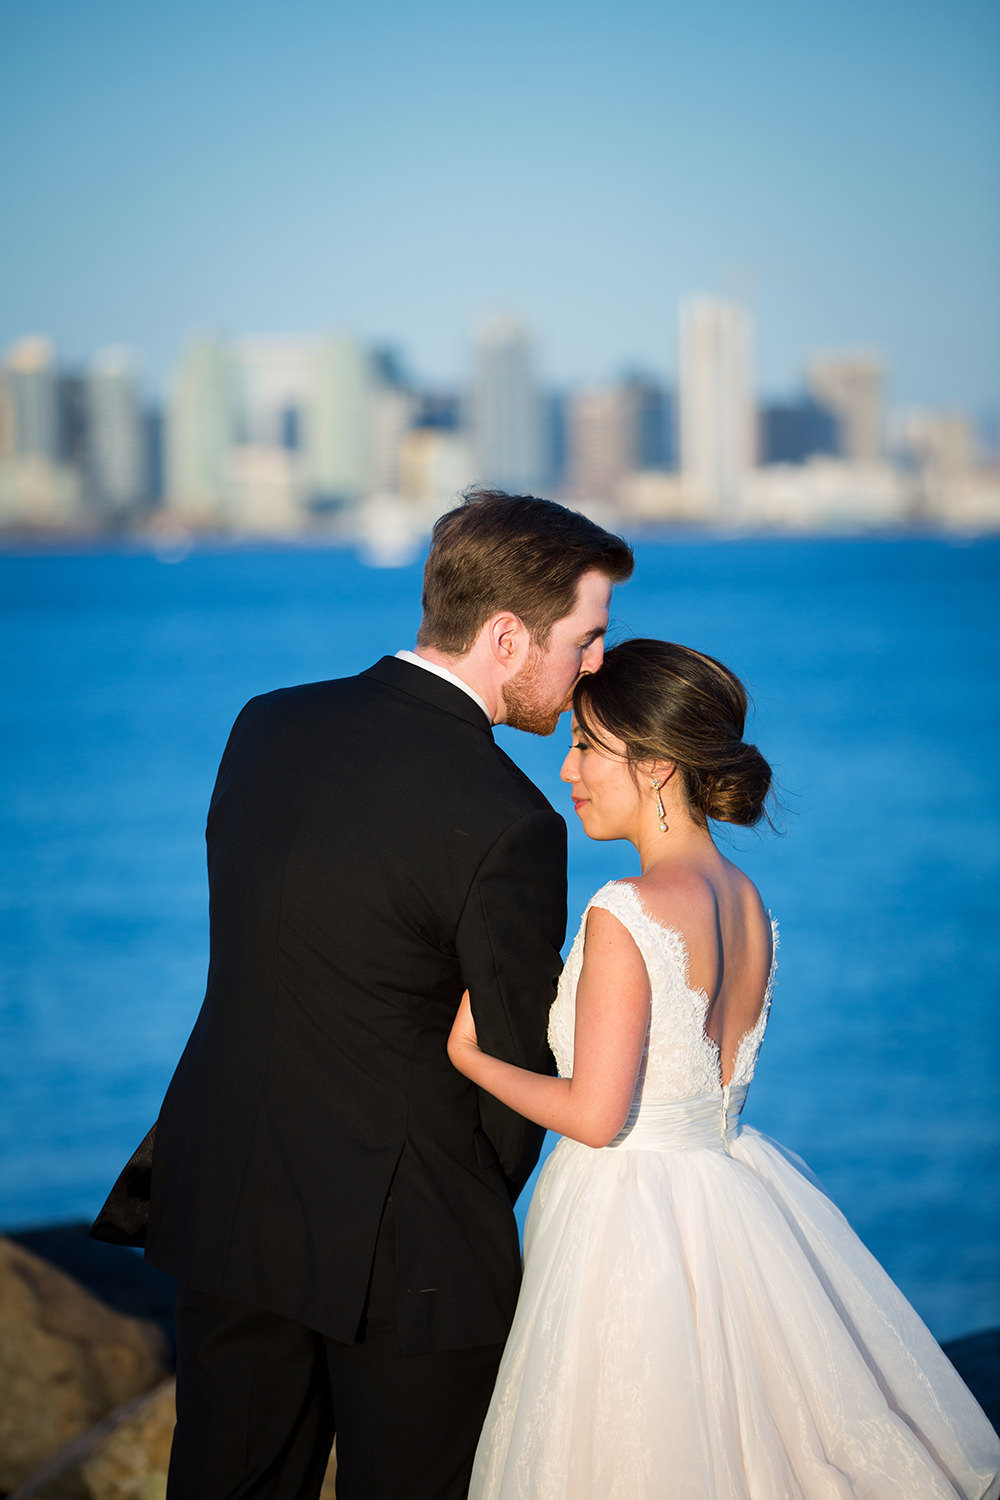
{"points": [[705, 1122]]}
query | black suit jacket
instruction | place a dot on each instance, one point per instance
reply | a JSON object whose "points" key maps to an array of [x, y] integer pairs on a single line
{"points": [[371, 854]]}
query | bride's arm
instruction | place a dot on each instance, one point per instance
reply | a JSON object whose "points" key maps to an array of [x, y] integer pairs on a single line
{"points": [[612, 1014]]}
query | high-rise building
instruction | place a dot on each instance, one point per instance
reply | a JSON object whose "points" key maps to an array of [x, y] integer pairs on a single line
{"points": [[393, 410], [652, 419], [270, 381], [505, 409], [72, 419], [31, 381], [116, 436], [555, 440], [336, 426], [718, 422], [7, 433], [433, 467], [439, 409], [943, 442], [154, 435], [852, 387], [793, 431], [38, 488], [200, 433], [602, 441]]}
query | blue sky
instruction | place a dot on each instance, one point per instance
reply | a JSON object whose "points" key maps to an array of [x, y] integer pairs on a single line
{"points": [[397, 170]]}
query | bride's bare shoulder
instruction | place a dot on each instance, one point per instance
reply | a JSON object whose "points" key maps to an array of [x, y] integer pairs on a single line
{"points": [[748, 903], [708, 906]]}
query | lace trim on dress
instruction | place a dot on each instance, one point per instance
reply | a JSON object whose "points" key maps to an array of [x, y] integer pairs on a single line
{"points": [[680, 1059]]}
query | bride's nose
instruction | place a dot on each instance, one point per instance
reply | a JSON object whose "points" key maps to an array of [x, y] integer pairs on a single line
{"points": [[569, 772]]}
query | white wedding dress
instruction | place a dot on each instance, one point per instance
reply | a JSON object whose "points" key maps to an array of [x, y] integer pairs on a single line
{"points": [[697, 1320]]}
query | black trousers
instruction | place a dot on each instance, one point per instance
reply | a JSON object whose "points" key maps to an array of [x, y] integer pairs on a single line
{"points": [[260, 1400]]}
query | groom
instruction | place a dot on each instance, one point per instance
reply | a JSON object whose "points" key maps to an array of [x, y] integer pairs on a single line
{"points": [[332, 1197]]}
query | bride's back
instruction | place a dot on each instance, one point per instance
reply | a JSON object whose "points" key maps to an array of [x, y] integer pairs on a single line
{"points": [[719, 915]]}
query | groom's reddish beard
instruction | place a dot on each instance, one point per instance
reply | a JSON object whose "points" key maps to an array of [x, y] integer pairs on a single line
{"points": [[527, 705]]}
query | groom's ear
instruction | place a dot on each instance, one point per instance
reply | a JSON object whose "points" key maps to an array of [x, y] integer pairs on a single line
{"points": [[508, 639]]}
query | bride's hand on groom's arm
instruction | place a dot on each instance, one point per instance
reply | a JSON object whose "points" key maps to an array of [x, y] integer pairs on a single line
{"points": [[612, 1014], [463, 1045]]}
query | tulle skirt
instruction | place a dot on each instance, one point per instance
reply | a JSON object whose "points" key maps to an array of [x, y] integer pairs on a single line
{"points": [[703, 1324]]}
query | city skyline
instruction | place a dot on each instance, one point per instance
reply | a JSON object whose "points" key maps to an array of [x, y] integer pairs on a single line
{"points": [[394, 175], [279, 356], [288, 436]]}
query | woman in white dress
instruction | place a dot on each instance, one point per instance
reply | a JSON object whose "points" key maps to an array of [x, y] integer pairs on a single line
{"points": [[697, 1320]]}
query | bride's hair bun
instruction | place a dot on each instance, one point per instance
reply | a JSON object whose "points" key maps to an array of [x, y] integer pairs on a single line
{"points": [[667, 702], [736, 791]]}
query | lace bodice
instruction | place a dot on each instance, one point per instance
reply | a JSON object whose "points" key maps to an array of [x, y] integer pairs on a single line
{"points": [[679, 1060]]}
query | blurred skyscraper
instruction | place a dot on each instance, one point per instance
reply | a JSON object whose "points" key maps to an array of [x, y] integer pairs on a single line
{"points": [[652, 416], [555, 414], [336, 429], [851, 387], [7, 433], [270, 381], [117, 471], [718, 422], [505, 408], [938, 449], [72, 419], [30, 378], [793, 431], [394, 411], [433, 468], [37, 489], [392, 417], [602, 436], [201, 427]]}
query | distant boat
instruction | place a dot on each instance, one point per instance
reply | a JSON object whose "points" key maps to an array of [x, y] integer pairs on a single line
{"points": [[388, 532]]}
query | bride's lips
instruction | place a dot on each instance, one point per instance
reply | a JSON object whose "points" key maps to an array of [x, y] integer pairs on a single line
{"points": [[580, 802]]}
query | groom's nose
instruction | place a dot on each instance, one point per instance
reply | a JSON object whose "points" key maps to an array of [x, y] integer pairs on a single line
{"points": [[592, 656]]}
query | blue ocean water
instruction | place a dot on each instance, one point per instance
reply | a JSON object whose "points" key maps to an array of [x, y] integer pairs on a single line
{"points": [[873, 665]]}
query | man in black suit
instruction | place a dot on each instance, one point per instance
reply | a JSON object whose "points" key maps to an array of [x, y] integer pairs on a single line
{"points": [[333, 1198]]}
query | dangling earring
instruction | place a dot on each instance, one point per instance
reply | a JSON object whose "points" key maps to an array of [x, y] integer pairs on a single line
{"points": [[659, 805]]}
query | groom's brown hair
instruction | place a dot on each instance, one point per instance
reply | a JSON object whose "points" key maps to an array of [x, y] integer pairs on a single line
{"points": [[497, 551]]}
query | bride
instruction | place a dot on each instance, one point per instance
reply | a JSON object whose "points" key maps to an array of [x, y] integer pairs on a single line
{"points": [[697, 1321]]}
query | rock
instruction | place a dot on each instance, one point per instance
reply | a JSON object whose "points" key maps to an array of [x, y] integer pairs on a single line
{"points": [[117, 1276], [66, 1360], [125, 1457], [125, 1454], [130, 1459]]}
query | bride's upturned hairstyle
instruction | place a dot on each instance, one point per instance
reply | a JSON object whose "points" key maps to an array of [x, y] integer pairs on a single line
{"points": [[667, 702]]}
